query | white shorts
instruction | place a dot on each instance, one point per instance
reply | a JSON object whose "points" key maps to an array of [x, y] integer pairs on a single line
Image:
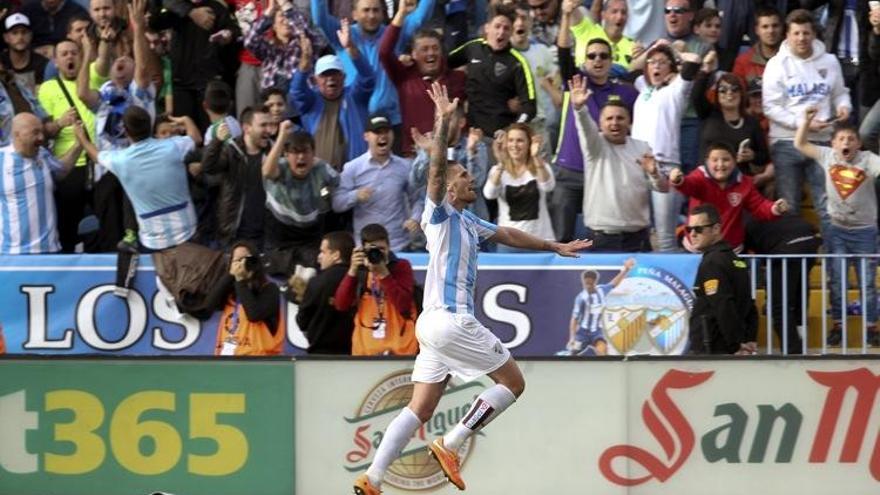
{"points": [[457, 344]]}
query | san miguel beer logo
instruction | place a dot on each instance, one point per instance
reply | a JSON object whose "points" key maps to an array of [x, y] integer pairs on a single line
{"points": [[631, 465], [414, 469]]}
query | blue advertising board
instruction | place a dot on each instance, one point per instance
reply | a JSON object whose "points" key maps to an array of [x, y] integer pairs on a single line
{"points": [[66, 305]]}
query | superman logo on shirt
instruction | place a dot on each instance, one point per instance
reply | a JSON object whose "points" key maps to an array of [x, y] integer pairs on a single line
{"points": [[846, 179]]}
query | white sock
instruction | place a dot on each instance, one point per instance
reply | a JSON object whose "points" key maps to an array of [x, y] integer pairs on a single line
{"points": [[492, 402], [397, 435]]}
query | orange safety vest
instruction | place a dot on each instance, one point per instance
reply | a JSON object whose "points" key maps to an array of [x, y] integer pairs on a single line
{"points": [[238, 336], [399, 331]]}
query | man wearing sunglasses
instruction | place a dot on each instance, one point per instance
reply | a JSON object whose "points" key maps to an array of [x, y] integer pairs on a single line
{"points": [[724, 319]]}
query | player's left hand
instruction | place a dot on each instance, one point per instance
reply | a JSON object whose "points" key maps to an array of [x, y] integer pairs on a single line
{"points": [[571, 249]]}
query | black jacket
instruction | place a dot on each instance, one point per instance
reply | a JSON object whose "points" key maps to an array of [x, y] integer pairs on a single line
{"points": [[227, 162], [724, 310], [194, 59], [327, 330], [492, 79]]}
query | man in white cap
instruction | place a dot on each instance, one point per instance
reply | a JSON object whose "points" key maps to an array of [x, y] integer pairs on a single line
{"points": [[332, 112], [19, 57]]}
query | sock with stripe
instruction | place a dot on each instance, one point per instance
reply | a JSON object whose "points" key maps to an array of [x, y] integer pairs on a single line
{"points": [[492, 402], [397, 435]]}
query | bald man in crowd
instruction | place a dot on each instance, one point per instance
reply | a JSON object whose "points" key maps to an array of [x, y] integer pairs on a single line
{"points": [[28, 172]]}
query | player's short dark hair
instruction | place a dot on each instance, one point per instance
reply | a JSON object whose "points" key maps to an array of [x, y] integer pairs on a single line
{"points": [[426, 33], [373, 232], [341, 241], [77, 17], [800, 16], [162, 118], [709, 210], [704, 15], [218, 97], [593, 274], [767, 11], [615, 102], [247, 115], [508, 11], [844, 127], [299, 141], [600, 41], [717, 145], [269, 92], [137, 123]]}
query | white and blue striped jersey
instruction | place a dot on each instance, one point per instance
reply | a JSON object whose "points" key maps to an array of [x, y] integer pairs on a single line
{"points": [[28, 224], [153, 175], [453, 242], [588, 308]]}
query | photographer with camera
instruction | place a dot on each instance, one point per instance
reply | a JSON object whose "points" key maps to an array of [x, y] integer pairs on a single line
{"points": [[251, 323], [381, 285]]}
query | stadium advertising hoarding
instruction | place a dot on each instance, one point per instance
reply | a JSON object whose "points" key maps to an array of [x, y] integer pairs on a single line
{"points": [[612, 428], [65, 305], [90, 427]]}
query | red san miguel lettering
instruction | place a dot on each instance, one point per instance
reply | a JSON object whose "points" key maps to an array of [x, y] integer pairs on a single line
{"points": [[669, 426]]}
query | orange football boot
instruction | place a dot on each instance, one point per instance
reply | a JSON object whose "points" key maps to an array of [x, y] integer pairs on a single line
{"points": [[362, 486], [448, 462]]}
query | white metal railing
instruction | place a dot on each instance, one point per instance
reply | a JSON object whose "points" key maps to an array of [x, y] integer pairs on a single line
{"points": [[784, 271]]}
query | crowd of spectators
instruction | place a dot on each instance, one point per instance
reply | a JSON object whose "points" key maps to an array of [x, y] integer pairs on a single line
{"points": [[292, 120]]}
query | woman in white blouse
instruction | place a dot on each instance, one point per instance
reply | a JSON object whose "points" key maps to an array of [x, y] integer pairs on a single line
{"points": [[520, 182]]}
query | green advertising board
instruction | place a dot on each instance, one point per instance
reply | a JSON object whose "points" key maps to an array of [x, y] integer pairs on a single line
{"points": [[108, 427]]}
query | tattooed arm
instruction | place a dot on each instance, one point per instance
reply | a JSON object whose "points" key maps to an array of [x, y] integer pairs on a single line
{"points": [[443, 111]]}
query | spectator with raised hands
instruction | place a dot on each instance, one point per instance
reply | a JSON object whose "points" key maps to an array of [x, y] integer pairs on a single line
{"points": [[280, 53], [520, 182], [850, 182], [129, 85], [366, 33], [299, 188], [720, 183], [614, 17], [413, 80], [333, 111], [620, 176], [658, 114], [567, 198]]}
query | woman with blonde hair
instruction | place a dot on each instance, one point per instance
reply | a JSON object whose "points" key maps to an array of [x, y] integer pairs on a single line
{"points": [[520, 182]]}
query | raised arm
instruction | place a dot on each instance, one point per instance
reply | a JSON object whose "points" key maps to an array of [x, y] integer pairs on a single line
{"points": [[443, 111], [85, 93], [136, 10], [801, 142], [627, 266], [270, 165]]}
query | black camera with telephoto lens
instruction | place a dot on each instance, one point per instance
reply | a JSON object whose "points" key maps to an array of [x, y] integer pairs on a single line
{"points": [[374, 255]]}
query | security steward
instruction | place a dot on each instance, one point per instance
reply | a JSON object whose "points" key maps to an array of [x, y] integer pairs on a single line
{"points": [[724, 319]]}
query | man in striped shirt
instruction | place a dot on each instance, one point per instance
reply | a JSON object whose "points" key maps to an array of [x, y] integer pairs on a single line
{"points": [[451, 340], [28, 172]]}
